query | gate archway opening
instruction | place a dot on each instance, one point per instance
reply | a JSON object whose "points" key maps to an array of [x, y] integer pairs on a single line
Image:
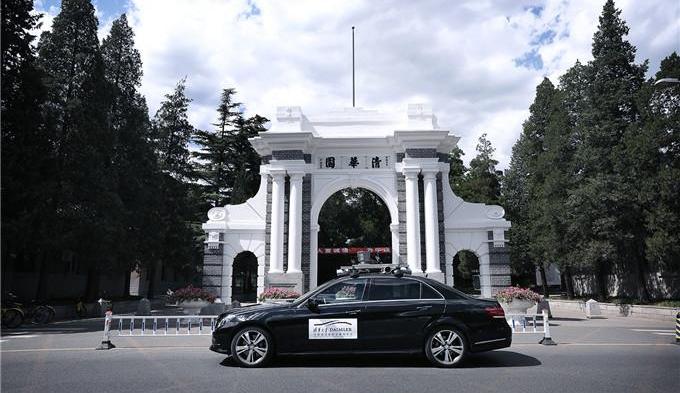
{"points": [[351, 220], [466, 272], [244, 277]]}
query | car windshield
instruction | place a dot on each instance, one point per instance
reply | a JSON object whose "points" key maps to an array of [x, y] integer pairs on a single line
{"points": [[312, 292]]}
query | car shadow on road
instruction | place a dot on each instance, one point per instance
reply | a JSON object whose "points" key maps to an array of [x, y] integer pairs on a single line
{"points": [[482, 360]]}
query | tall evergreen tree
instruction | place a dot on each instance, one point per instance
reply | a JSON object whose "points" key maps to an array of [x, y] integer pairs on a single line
{"points": [[248, 168], [482, 182], [457, 169], [216, 160], [134, 162], [172, 133], [26, 151], [85, 203], [605, 212], [656, 146]]}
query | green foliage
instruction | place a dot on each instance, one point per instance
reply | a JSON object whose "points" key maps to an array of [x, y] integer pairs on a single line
{"points": [[479, 183], [356, 214], [172, 133], [590, 181], [226, 163]]}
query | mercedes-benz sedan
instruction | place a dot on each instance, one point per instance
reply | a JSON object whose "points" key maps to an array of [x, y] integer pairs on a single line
{"points": [[370, 313]]}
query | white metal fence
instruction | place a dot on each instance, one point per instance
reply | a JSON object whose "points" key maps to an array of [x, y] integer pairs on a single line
{"points": [[531, 324], [156, 326]]}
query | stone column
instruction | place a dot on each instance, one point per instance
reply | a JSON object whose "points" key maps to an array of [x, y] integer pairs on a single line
{"points": [[295, 223], [276, 247], [431, 223], [412, 220], [394, 229]]}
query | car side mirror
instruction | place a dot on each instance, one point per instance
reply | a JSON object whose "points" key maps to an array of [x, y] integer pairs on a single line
{"points": [[313, 305]]}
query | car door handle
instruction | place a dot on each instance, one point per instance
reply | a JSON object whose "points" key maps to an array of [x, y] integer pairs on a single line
{"points": [[423, 308], [353, 312]]}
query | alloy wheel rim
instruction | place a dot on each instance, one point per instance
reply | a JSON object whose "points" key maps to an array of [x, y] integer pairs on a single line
{"points": [[446, 347], [251, 347]]}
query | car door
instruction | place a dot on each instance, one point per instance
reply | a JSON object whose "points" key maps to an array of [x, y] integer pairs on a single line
{"points": [[396, 313], [333, 326]]}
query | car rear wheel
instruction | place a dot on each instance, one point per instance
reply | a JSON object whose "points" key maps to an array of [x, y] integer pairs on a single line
{"points": [[446, 347], [252, 347]]}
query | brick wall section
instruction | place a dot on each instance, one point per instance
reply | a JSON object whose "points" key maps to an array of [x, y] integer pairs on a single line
{"points": [[499, 266], [286, 193], [400, 157], [440, 223], [401, 208], [421, 208], [268, 227], [306, 211], [266, 159], [288, 155], [212, 268], [443, 157], [421, 153]]}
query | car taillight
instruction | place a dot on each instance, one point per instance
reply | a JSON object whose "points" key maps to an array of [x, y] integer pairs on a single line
{"points": [[496, 311]]}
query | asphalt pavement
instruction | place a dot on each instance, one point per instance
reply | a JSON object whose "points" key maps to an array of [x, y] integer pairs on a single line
{"points": [[603, 355]]}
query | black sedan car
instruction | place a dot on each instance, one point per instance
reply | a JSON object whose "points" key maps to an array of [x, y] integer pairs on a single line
{"points": [[367, 313]]}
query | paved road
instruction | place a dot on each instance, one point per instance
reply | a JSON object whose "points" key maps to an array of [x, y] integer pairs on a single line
{"points": [[608, 355]]}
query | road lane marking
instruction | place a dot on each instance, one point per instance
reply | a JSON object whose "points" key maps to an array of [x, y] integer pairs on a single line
{"points": [[653, 330], [665, 334], [21, 336], [92, 349]]}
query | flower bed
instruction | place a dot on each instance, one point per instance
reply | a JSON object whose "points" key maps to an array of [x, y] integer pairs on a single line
{"points": [[278, 293], [507, 295], [189, 293]]}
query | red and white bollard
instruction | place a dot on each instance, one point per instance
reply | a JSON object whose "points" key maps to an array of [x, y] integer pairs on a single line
{"points": [[106, 340]]}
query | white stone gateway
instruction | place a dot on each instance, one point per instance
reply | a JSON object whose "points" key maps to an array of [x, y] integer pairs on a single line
{"points": [[306, 159]]}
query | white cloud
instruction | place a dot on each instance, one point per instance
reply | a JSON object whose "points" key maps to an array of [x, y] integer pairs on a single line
{"points": [[459, 56]]}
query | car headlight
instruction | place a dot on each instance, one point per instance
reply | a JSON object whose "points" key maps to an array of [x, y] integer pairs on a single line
{"points": [[230, 318]]}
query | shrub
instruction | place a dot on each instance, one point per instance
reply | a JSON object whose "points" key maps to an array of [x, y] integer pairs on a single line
{"points": [[189, 293], [508, 294], [278, 293]]}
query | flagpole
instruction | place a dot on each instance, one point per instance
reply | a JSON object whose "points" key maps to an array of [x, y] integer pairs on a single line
{"points": [[353, 88]]}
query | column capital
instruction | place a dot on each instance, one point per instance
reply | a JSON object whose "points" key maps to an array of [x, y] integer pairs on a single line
{"points": [[410, 173], [277, 174], [429, 175], [296, 176]]}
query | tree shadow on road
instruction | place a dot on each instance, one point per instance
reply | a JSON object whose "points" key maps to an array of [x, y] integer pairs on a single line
{"points": [[483, 360]]}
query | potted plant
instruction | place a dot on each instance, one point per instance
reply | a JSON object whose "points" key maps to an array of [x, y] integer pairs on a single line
{"points": [[516, 300], [278, 295], [191, 299]]}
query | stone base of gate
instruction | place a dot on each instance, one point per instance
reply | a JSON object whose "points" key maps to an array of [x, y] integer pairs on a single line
{"points": [[286, 280]]}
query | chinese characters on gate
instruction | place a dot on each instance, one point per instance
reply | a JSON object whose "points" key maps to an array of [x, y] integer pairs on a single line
{"points": [[355, 162]]}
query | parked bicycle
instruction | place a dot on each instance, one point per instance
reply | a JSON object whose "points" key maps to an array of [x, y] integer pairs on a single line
{"points": [[14, 313]]}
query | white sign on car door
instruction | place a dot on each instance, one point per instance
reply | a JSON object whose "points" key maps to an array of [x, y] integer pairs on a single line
{"points": [[333, 329]]}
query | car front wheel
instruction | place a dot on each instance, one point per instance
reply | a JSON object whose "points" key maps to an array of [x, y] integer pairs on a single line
{"points": [[446, 347], [252, 347]]}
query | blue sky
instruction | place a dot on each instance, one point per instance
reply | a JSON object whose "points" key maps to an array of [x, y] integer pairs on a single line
{"points": [[476, 62]]}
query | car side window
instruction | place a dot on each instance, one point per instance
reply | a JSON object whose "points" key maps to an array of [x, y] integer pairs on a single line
{"points": [[394, 289], [426, 292], [342, 292]]}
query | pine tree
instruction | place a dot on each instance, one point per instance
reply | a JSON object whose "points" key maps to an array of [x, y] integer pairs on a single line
{"points": [[172, 133], [658, 146], [134, 162], [217, 158], [482, 182], [605, 212], [248, 161], [26, 150], [457, 169], [85, 202]]}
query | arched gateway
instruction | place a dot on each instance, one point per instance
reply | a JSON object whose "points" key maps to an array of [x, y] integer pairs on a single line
{"points": [[306, 159]]}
